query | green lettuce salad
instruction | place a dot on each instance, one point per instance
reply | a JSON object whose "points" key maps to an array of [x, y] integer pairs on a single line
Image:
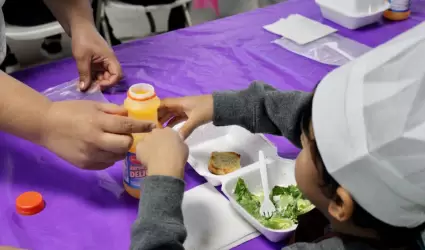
{"points": [[288, 200]]}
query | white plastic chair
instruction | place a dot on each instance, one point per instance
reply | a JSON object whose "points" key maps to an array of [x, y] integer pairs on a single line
{"points": [[102, 4], [21, 33]]}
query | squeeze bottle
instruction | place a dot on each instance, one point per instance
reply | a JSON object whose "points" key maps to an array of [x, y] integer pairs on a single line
{"points": [[399, 10], [141, 104]]}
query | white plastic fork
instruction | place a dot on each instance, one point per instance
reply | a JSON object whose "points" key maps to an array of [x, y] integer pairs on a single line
{"points": [[334, 46], [267, 207]]}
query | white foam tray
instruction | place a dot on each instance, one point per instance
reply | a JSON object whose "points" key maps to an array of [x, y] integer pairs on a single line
{"points": [[208, 138], [353, 14], [280, 172]]}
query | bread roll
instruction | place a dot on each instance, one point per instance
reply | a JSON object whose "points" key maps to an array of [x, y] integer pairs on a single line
{"points": [[222, 163]]}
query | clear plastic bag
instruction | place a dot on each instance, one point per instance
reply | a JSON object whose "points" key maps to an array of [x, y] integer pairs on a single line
{"points": [[70, 91], [332, 49]]}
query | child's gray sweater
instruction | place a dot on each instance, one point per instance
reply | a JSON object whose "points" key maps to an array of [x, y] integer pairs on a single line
{"points": [[260, 109]]}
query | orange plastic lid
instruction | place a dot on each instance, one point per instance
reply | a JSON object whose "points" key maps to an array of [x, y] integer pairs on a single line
{"points": [[29, 203]]}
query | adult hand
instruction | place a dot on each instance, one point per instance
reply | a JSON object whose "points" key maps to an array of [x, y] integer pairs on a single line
{"points": [[195, 110], [88, 134], [96, 61], [163, 152]]}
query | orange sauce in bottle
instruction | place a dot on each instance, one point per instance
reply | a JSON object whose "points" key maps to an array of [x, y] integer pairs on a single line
{"points": [[141, 104]]}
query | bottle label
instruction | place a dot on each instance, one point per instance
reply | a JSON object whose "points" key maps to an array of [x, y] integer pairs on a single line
{"points": [[400, 5], [134, 171]]}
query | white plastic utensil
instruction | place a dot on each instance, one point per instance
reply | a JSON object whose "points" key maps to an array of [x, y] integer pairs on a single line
{"points": [[334, 46], [267, 207]]}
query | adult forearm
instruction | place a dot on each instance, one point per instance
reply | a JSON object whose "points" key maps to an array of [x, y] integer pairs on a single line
{"points": [[71, 13], [22, 109]]}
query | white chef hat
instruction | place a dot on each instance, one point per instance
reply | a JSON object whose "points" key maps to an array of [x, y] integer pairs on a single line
{"points": [[369, 123]]}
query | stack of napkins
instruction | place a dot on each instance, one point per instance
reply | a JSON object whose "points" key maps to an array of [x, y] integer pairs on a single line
{"points": [[299, 29], [211, 222]]}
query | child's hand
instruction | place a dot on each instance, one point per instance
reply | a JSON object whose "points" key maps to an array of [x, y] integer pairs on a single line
{"points": [[163, 152], [197, 110]]}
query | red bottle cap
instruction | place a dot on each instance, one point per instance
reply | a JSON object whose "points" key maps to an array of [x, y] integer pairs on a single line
{"points": [[29, 203]]}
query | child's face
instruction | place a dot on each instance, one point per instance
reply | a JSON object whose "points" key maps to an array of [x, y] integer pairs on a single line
{"points": [[310, 182], [308, 177]]}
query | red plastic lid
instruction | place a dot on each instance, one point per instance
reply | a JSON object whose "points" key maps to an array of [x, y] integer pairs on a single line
{"points": [[29, 203]]}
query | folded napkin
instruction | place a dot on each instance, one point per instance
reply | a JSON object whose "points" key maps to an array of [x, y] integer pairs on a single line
{"points": [[211, 222], [299, 29]]}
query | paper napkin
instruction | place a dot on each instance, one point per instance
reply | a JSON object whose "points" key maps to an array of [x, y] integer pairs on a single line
{"points": [[299, 29], [211, 222]]}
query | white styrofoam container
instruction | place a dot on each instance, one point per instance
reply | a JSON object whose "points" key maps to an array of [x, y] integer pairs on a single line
{"points": [[353, 14], [208, 138], [280, 172]]}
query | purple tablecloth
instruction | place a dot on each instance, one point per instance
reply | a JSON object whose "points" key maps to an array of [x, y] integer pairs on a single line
{"points": [[87, 210]]}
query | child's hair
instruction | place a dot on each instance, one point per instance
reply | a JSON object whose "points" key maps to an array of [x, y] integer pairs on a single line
{"points": [[389, 236]]}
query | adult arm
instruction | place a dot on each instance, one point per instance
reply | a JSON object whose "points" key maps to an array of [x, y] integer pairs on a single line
{"points": [[96, 61], [262, 109], [71, 14], [22, 109]]}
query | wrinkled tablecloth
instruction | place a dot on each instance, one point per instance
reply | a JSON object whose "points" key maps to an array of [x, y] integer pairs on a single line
{"points": [[88, 210]]}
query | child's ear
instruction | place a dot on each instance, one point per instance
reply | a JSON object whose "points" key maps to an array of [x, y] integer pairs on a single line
{"points": [[342, 207]]}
